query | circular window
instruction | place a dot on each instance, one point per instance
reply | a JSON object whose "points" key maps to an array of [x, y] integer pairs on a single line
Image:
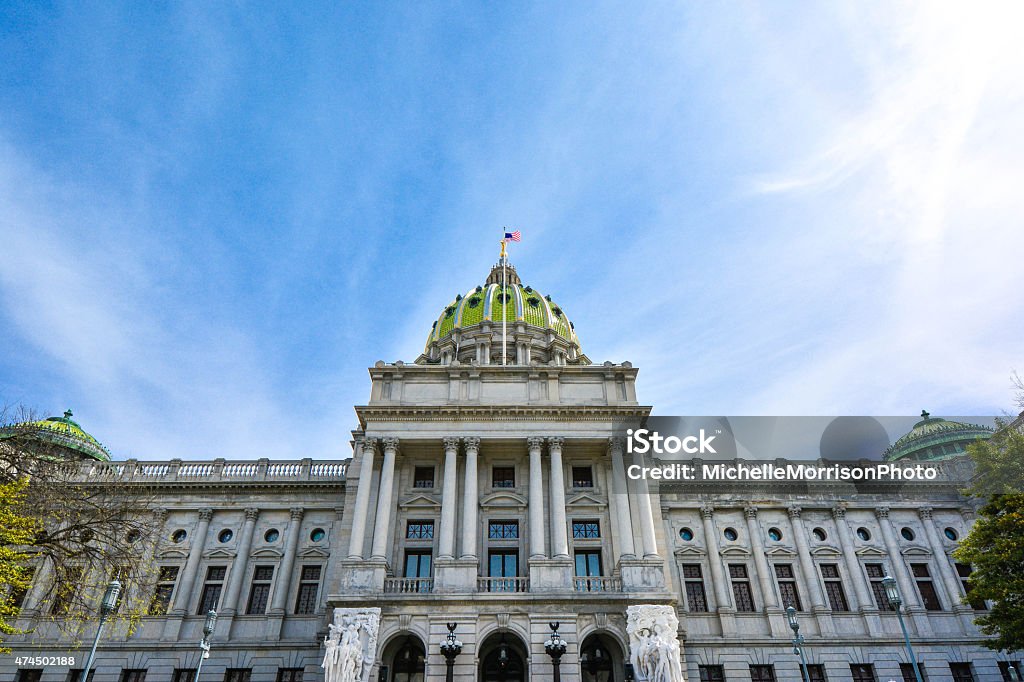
{"points": [[178, 535], [951, 534], [225, 535], [272, 535], [774, 534], [730, 534], [86, 536], [686, 534], [133, 536], [907, 533], [863, 534], [820, 535], [318, 534]]}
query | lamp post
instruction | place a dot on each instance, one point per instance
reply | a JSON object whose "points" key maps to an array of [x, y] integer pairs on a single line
{"points": [[555, 647], [450, 648], [107, 607], [204, 645], [1012, 672], [892, 593], [798, 642]]}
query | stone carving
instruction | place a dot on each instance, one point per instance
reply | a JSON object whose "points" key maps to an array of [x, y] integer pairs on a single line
{"points": [[351, 645], [654, 643]]}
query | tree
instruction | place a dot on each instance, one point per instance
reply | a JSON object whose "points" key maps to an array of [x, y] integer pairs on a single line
{"points": [[17, 529], [78, 522]]}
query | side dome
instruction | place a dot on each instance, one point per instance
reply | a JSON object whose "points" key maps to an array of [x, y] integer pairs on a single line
{"points": [[70, 440], [934, 438], [469, 329]]}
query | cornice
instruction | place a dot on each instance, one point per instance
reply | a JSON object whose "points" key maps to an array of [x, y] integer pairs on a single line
{"points": [[503, 413]]}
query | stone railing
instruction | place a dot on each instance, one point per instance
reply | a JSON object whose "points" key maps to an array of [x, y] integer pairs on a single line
{"points": [[597, 583], [217, 470], [408, 585], [503, 584]]}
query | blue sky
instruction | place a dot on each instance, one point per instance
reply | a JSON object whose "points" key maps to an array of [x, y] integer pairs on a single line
{"points": [[216, 216]]}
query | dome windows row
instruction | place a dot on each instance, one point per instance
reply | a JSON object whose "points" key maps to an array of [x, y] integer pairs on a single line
{"points": [[227, 535], [730, 534]]}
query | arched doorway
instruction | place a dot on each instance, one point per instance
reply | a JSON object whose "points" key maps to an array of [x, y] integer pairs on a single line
{"points": [[601, 659], [503, 658], [404, 659]]}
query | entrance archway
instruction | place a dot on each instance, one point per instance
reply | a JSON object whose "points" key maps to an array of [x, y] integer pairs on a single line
{"points": [[503, 658], [405, 660], [601, 659]]}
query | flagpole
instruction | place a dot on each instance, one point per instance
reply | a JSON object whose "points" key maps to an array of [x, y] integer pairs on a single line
{"points": [[504, 302]]}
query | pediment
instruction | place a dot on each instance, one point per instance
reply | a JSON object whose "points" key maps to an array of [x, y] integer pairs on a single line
{"points": [[780, 552], [916, 550], [585, 500], [318, 552], [734, 551], [267, 552], [420, 501], [503, 499], [870, 551], [173, 553], [826, 550], [219, 553], [686, 552]]}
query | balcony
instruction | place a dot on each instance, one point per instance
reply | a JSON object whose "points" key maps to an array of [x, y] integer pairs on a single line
{"points": [[408, 585], [519, 584], [597, 583]]}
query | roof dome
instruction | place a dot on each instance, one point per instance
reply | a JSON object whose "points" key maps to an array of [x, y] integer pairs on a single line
{"points": [[935, 438], [62, 432], [469, 329]]}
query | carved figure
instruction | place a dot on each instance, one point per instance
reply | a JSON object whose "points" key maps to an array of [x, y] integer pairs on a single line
{"points": [[653, 643], [351, 645]]}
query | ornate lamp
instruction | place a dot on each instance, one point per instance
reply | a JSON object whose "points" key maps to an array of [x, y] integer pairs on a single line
{"points": [[555, 647], [204, 644], [450, 648], [107, 607], [892, 593], [798, 641]]}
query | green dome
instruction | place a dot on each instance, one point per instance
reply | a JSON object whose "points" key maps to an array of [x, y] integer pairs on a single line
{"points": [[61, 431], [934, 438]]}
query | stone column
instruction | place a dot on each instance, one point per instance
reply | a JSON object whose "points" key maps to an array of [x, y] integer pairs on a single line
{"points": [[771, 602], [559, 534], [719, 584], [642, 502], [470, 501], [382, 527], [855, 574], [624, 523], [806, 562], [361, 508], [230, 604], [897, 566], [449, 493], [195, 555], [284, 571], [949, 580], [536, 499]]}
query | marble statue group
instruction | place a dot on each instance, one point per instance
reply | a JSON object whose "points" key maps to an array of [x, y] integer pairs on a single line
{"points": [[351, 645], [654, 643]]}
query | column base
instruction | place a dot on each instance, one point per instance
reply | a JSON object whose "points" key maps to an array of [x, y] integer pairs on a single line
{"points": [[455, 575], [777, 622], [642, 575], [919, 617], [363, 576], [551, 575]]}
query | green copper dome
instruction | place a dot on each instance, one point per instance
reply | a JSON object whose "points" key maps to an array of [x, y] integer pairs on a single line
{"points": [[934, 438], [62, 432]]}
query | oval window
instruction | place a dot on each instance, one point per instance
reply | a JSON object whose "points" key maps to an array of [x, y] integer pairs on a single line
{"points": [[686, 534], [178, 536], [774, 534], [272, 535], [225, 535], [318, 534], [951, 534], [820, 535], [907, 533], [730, 534], [863, 534], [133, 536]]}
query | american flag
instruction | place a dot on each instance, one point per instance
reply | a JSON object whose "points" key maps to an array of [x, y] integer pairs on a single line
{"points": [[513, 236]]}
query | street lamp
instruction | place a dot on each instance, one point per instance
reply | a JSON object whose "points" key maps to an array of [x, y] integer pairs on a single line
{"points": [[555, 647], [1012, 672], [450, 648], [204, 645], [107, 607], [892, 593], [798, 641]]}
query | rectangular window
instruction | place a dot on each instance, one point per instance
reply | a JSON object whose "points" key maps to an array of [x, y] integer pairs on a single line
{"points": [[1004, 670], [586, 530], [133, 675], [907, 672], [419, 530], [711, 673], [184, 675], [762, 673], [503, 564], [816, 673], [875, 573], [29, 675], [503, 477], [961, 672], [582, 477], [423, 477], [165, 581], [417, 563], [66, 590], [862, 672], [741, 588], [964, 571], [212, 589], [834, 587], [260, 591], [503, 530], [696, 598], [787, 586], [75, 675], [309, 584], [289, 675], [237, 674], [588, 563], [925, 587]]}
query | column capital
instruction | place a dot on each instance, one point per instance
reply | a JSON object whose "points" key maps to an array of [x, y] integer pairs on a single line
{"points": [[251, 513], [839, 512], [535, 442], [472, 443], [750, 512], [925, 513], [555, 442], [794, 512], [205, 514], [390, 443], [615, 446], [967, 514], [881, 512], [161, 514], [370, 446], [450, 443], [297, 513], [707, 511]]}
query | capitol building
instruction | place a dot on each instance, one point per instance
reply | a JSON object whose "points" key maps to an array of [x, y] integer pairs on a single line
{"points": [[487, 490]]}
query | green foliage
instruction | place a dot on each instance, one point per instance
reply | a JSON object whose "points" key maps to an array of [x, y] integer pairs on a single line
{"points": [[17, 529], [999, 463], [995, 547]]}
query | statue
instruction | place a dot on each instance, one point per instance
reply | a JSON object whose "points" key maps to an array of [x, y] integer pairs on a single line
{"points": [[351, 645], [653, 643]]}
